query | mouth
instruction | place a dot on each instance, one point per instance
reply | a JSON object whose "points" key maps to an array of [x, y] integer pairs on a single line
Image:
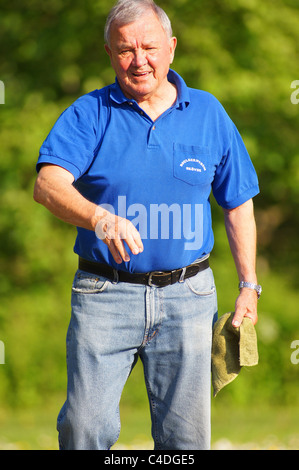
{"points": [[141, 74]]}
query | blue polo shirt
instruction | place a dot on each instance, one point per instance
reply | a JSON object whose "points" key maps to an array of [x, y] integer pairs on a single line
{"points": [[157, 174]]}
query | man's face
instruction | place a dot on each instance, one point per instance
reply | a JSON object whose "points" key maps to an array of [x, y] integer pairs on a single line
{"points": [[141, 53]]}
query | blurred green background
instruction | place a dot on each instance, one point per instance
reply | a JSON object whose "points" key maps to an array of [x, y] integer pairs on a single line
{"points": [[246, 53]]}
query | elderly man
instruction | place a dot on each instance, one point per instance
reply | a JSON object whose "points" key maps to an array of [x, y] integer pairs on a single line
{"points": [[132, 166]]}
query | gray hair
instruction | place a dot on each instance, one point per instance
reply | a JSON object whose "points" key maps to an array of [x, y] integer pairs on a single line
{"points": [[128, 11]]}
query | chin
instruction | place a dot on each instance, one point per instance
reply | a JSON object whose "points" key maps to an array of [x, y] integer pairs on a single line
{"points": [[140, 91]]}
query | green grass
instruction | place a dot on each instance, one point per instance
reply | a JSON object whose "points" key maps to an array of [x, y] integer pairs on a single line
{"points": [[255, 428], [232, 428]]}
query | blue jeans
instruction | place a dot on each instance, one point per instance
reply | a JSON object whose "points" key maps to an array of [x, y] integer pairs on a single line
{"points": [[170, 329]]}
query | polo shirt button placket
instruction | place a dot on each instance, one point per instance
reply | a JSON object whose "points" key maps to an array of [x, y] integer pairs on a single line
{"points": [[153, 138]]}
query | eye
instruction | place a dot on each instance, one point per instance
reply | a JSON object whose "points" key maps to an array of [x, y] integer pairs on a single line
{"points": [[125, 52]]}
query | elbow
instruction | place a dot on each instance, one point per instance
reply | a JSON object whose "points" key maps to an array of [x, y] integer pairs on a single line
{"points": [[38, 192], [35, 193]]}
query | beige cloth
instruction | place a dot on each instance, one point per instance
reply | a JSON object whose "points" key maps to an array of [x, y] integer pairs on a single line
{"points": [[232, 348]]}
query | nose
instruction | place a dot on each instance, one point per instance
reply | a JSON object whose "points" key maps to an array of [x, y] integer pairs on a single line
{"points": [[139, 58]]}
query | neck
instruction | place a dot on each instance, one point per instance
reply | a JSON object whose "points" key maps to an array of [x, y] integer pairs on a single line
{"points": [[156, 105]]}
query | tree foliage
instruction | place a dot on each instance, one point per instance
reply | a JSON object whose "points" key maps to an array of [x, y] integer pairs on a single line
{"points": [[245, 52]]}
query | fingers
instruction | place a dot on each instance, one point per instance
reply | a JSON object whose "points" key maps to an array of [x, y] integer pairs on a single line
{"points": [[115, 232], [246, 306], [240, 313], [238, 319], [126, 232], [118, 250]]}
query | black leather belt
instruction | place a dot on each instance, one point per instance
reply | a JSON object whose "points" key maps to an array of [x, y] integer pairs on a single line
{"points": [[155, 278]]}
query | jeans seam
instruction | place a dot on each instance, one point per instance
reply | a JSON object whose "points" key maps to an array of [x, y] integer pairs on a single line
{"points": [[118, 410], [153, 409], [150, 332], [117, 434], [148, 387]]}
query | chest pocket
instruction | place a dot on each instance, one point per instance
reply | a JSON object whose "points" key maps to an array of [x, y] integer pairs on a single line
{"points": [[190, 164]]}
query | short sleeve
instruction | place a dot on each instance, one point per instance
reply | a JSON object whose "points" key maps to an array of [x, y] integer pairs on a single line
{"points": [[72, 141], [235, 180]]}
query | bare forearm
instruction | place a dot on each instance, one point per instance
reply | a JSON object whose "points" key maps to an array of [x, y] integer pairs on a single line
{"points": [[241, 231], [54, 190]]}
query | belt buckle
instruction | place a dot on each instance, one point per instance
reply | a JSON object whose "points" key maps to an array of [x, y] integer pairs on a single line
{"points": [[153, 273]]}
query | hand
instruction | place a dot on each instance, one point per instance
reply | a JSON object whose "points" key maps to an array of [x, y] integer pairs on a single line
{"points": [[246, 306], [114, 231]]}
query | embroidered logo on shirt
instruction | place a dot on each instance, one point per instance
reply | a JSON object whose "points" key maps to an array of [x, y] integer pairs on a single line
{"points": [[189, 163]]}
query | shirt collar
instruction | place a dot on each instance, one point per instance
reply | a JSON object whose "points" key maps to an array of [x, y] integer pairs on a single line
{"points": [[183, 98]]}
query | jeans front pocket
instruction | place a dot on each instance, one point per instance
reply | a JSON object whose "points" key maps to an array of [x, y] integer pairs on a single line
{"points": [[87, 283], [203, 283]]}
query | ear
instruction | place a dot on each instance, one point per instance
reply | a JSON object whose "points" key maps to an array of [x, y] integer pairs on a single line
{"points": [[173, 44], [108, 50]]}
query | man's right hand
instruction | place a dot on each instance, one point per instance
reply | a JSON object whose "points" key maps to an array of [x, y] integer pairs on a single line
{"points": [[114, 231]]}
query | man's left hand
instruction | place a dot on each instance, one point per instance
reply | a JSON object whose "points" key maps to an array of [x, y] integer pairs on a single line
{"points": [[246, 306]]}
